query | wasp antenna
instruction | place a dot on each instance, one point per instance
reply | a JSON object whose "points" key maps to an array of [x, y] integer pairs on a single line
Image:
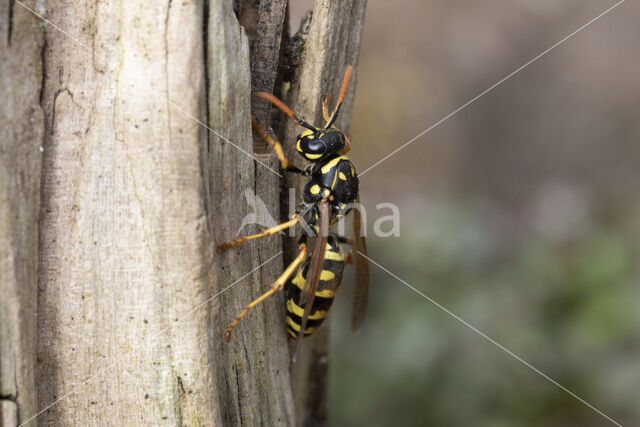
{"points": [[288, 111], [345, 84], [343, 93], [325, 108]]}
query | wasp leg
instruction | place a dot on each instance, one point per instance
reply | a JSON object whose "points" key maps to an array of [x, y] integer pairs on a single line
{"points": [[277, 285], [349, 258], [277, 147], [268, 232]]}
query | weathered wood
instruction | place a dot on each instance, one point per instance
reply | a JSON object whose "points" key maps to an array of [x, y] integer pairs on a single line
{"points": [[265, 56], [135, 195], [125, 247], [252, 371], [21, 131], [333, 42]]}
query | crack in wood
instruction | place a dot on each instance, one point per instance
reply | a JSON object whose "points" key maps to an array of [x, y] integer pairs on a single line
{"points": [[10, 23]]}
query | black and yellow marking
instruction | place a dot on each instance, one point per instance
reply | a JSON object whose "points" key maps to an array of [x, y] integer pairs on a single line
{"points": [[339, 175], [337, 181], [329, 194], [330, 278]]}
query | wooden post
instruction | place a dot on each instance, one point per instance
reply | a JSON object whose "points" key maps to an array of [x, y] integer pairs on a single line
{"points": [[252, 371], [21, 131], [126, 247], [143, 114]]}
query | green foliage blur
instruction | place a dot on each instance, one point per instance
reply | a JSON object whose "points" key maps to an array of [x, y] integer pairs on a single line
{"points": [[569, 309]]}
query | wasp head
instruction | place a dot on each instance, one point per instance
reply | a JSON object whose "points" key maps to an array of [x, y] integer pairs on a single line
{"points": [[320, 144]]}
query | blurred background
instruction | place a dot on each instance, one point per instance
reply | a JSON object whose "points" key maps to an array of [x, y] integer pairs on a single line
{"points": [[521, 214]]}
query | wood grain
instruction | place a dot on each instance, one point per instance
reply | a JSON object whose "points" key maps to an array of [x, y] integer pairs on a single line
{"points": [[21, 133], [252, 377], [265, 57], [125, 248], [332, 43], [111, 228]]}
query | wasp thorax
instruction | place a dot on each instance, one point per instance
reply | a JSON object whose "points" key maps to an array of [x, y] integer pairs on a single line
{"points": [[321, 144]]}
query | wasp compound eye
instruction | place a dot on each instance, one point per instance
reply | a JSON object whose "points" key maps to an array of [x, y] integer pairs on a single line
{"points": [[313, 148]]}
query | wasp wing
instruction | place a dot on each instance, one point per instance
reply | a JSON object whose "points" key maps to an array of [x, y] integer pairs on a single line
{"points": [[315, 268], [359, 252]]}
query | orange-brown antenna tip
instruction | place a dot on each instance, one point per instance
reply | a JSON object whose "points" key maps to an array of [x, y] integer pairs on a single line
{"points": [[345, 84], [281, 105], [275, 101]]}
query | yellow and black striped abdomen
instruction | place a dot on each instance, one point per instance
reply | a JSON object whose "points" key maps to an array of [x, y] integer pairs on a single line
{"points": [[330, 278]]}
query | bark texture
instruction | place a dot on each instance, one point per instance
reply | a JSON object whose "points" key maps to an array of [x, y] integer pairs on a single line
{"points": [[143, 110], [125, 246], [21, 131], [252, 375], [265, 56], [331, 42]]}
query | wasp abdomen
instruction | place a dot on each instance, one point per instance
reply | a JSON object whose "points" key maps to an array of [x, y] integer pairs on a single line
{"points": [[330, 278]]}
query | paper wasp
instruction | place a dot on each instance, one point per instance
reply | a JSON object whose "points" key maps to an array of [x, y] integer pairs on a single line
{"points": [[312, 279]]}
